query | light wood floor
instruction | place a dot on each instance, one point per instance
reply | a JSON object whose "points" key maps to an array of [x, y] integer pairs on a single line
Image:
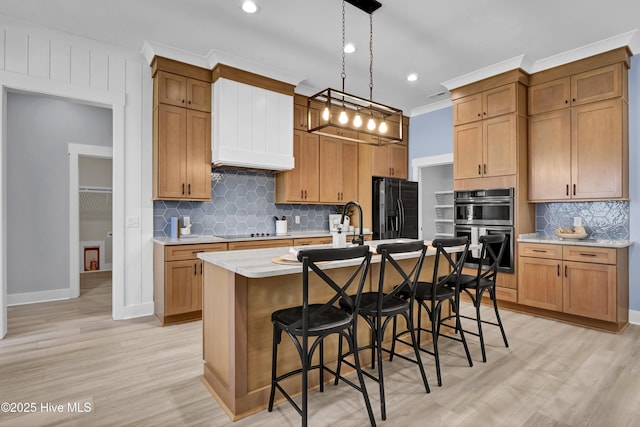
{"points": [[135, 372]]}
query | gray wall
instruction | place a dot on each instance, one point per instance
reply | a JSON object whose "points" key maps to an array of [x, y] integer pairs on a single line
{"points": [[38, 131]]}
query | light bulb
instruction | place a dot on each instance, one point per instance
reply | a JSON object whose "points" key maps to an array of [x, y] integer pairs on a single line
{"points": [[383, 127], [371, 124], [249, 7], [343, 118], [325, 114], [357, 120]]}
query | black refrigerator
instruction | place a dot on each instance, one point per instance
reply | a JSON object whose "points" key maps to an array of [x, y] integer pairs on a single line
{"points": [[395, 208]]}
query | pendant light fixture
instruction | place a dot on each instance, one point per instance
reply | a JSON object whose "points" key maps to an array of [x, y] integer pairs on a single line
{"points": [[342, 115]]}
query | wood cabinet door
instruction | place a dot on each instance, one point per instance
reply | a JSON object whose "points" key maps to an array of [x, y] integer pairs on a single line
{"points": [[550, 155], [293, 185], [199, 95], [549, 96], [499, 101], [398, 160], [499, 146], [171, 159], [349, 170], [183, 287], [380, 164], [310, 167], [595, 85], [596, 150], [300, 119], [540, 283], [198, 155], [467, 109], [590, 290], [171, 89], [467, 151], [330, 170]]}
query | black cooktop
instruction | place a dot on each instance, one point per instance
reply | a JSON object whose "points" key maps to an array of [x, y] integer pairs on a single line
{"points": [[245, 236]]}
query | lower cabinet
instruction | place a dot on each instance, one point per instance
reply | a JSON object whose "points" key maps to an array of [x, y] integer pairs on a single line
{"points": [[177, 281], [586, 281]]}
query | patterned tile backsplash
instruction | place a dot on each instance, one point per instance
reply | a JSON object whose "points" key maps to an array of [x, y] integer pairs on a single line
{"points": [[242, 202], [602, 220]]}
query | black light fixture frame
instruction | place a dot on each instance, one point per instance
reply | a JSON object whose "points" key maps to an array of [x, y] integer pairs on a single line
{"points": [[367, 6]]}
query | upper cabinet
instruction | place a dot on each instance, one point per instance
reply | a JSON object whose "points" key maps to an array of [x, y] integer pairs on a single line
{"points": [[181, 131], [252, 120], [301, 184], [490, 103], [489, 129], [338, 170], [589, 86], [578, 131]]}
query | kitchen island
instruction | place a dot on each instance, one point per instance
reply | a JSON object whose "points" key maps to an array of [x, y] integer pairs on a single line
{"points": [[241, 290]]}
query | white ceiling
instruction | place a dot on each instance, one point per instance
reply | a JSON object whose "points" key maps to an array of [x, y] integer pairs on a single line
{"points": [[437, 39]]}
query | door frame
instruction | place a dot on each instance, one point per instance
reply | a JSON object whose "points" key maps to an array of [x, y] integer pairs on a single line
{"points": [[116, 101], [416, 175], [75, 151]]}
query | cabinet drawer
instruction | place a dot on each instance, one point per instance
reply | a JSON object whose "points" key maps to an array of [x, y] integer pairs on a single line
{"points": [[260, 244], [540, 250], [312, 241], [182, 252], [589, 254]]}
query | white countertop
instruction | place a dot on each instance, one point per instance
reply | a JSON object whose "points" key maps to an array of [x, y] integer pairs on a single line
{"points": [[535, 238], [257, 263], [191, 240]]}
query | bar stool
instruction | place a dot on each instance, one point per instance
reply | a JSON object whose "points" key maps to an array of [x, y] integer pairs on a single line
{"points": [[485, 280], [430, 295], [309, 324], [379, 308]]}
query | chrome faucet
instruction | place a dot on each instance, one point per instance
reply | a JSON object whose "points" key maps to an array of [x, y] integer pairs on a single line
{"points": [[360, 239]]}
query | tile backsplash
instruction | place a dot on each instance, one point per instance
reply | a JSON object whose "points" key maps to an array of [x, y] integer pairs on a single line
{"points": [[242, 202], [602, 220]]}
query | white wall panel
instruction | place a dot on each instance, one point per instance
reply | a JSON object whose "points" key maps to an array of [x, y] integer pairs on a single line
{"points": [[146, 224], [39, 57], [2, 36], [99, 69], [80, 66], [133, 162], [60, 61], [16, 48], [117, 74]]}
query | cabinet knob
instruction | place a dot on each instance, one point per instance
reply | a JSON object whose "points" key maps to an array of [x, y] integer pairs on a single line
{"points": [[479, 170], [566, 101], [183, 101], [305, 194], [567, 189], [479, 115], [558, 270], [565, 271], [189, 102], [182, 189], [485, 113], [485, 169], [574, 189], [573, 100]]}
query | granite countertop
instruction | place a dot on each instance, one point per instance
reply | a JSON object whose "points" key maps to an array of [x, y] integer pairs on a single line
{"points": [[191, 240], [603, 243], [260, 263]]}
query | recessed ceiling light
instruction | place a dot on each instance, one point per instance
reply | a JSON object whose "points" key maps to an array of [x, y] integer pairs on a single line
{"points": [[412, 77], [249, 7], [349, 48]]}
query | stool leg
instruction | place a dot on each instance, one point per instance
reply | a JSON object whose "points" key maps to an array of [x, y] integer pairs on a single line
{"points": [[492, 293], [353, 343], [416, 349], [435, 332], [393, 340], [321, 365], [378, 347], [464, 340], [277, 334], [477, 303], [339, 365]]}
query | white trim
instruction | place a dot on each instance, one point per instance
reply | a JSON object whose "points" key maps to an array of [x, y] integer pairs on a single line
{"points": [[3, 214], [508, 64], [445, 103], [133, 311], [424, 162], [40, 296], [75, 151], [634, 317]]}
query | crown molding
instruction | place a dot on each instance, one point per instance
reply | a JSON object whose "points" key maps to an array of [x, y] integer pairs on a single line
{"points": [[486, 72], [445, 103], [151, 49], [630, 39]]}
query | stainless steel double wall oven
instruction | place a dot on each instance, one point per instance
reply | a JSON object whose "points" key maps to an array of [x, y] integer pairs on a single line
{"points": [[480, 212]]}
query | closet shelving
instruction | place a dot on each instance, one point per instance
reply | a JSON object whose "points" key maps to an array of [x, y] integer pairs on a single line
{"points": [[444, 213]]}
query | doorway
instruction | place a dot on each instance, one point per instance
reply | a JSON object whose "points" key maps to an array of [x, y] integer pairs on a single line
{"points": [[435, 198]]}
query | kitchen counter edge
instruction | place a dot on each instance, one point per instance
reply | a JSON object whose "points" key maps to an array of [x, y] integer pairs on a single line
{"points": [[169, 241], [602, 243]]}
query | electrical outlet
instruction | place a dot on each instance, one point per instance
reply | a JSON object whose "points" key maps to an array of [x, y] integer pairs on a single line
{"points": [[297, 219], [133, 222], [577, 221]]}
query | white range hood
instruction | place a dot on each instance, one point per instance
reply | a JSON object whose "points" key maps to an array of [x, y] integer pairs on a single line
{"points": [[252, 127]]}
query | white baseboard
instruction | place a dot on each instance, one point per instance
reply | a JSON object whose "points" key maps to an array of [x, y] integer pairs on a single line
{"points": [[40, 296], [634, 317]]}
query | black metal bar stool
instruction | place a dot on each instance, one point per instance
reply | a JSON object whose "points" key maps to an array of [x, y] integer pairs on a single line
{"points": [[430, 295], [309, 324], [379, 308]]}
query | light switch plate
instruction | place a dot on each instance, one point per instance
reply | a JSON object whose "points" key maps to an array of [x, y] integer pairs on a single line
{"points": [[577, 221], [133, 222]]}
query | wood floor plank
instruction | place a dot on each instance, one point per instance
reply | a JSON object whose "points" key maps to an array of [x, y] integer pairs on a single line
{"points": [[137, 373]]}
